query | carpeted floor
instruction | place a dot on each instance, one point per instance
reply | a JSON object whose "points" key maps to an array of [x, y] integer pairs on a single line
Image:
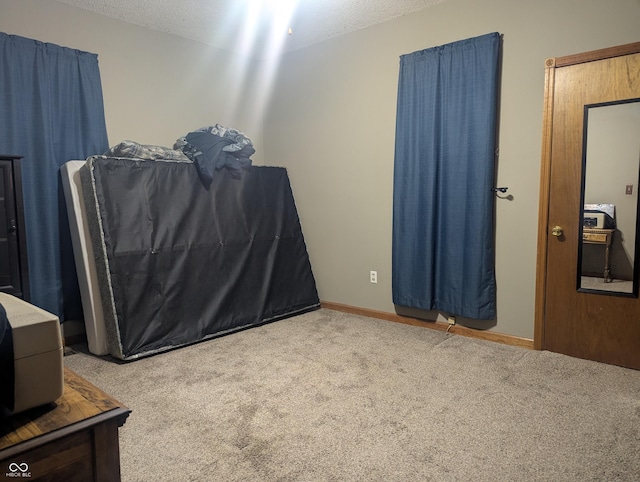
{"points": [[328, 396], [598, 283]]}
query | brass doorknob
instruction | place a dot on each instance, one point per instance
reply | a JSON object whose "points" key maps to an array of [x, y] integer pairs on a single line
{"points": [[556, 231]]}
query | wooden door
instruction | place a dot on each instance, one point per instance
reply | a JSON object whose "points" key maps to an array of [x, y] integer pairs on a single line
{"points": [[587, 325]]}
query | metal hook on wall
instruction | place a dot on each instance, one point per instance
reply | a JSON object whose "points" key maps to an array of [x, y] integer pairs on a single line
{"points": [[501, 193], [500, 189]]}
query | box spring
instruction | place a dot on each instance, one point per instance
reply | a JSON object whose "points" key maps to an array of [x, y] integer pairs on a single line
{"points": [[177, 263]]}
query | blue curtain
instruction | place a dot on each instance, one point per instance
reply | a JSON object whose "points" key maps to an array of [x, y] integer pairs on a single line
{"points": [[443, 203], [51, 111]]}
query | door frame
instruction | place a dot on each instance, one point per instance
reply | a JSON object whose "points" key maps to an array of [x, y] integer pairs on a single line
{"points": [[551, 65]]}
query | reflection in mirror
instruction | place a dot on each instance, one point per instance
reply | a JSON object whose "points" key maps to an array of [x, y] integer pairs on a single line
{"points": [[608, 255]]}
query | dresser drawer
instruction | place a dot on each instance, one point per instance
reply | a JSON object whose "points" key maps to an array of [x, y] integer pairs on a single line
{"points": [[595, 237]]}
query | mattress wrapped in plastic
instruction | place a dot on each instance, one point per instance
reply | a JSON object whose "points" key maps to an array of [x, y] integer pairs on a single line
{"points": [[178, 263]]}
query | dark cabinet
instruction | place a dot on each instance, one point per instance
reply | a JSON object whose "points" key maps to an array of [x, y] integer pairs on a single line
{"points": [[14, 275]]}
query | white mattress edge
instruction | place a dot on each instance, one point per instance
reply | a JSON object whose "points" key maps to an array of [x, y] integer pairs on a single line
{"points": [[84, 256]]}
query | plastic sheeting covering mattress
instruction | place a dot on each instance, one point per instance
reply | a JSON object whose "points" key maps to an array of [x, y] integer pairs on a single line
{"points": [[178, 263]]}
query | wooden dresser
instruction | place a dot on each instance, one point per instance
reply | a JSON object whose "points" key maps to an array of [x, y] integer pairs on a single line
{"points": [[73, 439], [14, 273]]}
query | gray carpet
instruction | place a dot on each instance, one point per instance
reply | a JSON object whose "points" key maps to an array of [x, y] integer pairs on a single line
{"points": [[598, 283], [328, 396]]}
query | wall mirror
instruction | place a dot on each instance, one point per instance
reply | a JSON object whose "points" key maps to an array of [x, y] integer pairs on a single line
{"points": [[608, 254]]}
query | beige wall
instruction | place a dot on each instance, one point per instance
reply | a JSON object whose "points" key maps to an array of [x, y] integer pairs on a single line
{"points": [[156, 87], [332, 125], [332, 119]]}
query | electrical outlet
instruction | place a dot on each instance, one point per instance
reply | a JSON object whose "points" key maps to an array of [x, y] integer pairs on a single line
{"points": [[373, 276], [451, 320]]}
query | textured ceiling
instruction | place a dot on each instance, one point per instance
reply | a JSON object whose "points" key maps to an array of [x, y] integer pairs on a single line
{"points": [[221, 23]]}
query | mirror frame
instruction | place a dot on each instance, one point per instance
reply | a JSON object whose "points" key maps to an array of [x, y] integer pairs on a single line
{"points": [[636, 262]]}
